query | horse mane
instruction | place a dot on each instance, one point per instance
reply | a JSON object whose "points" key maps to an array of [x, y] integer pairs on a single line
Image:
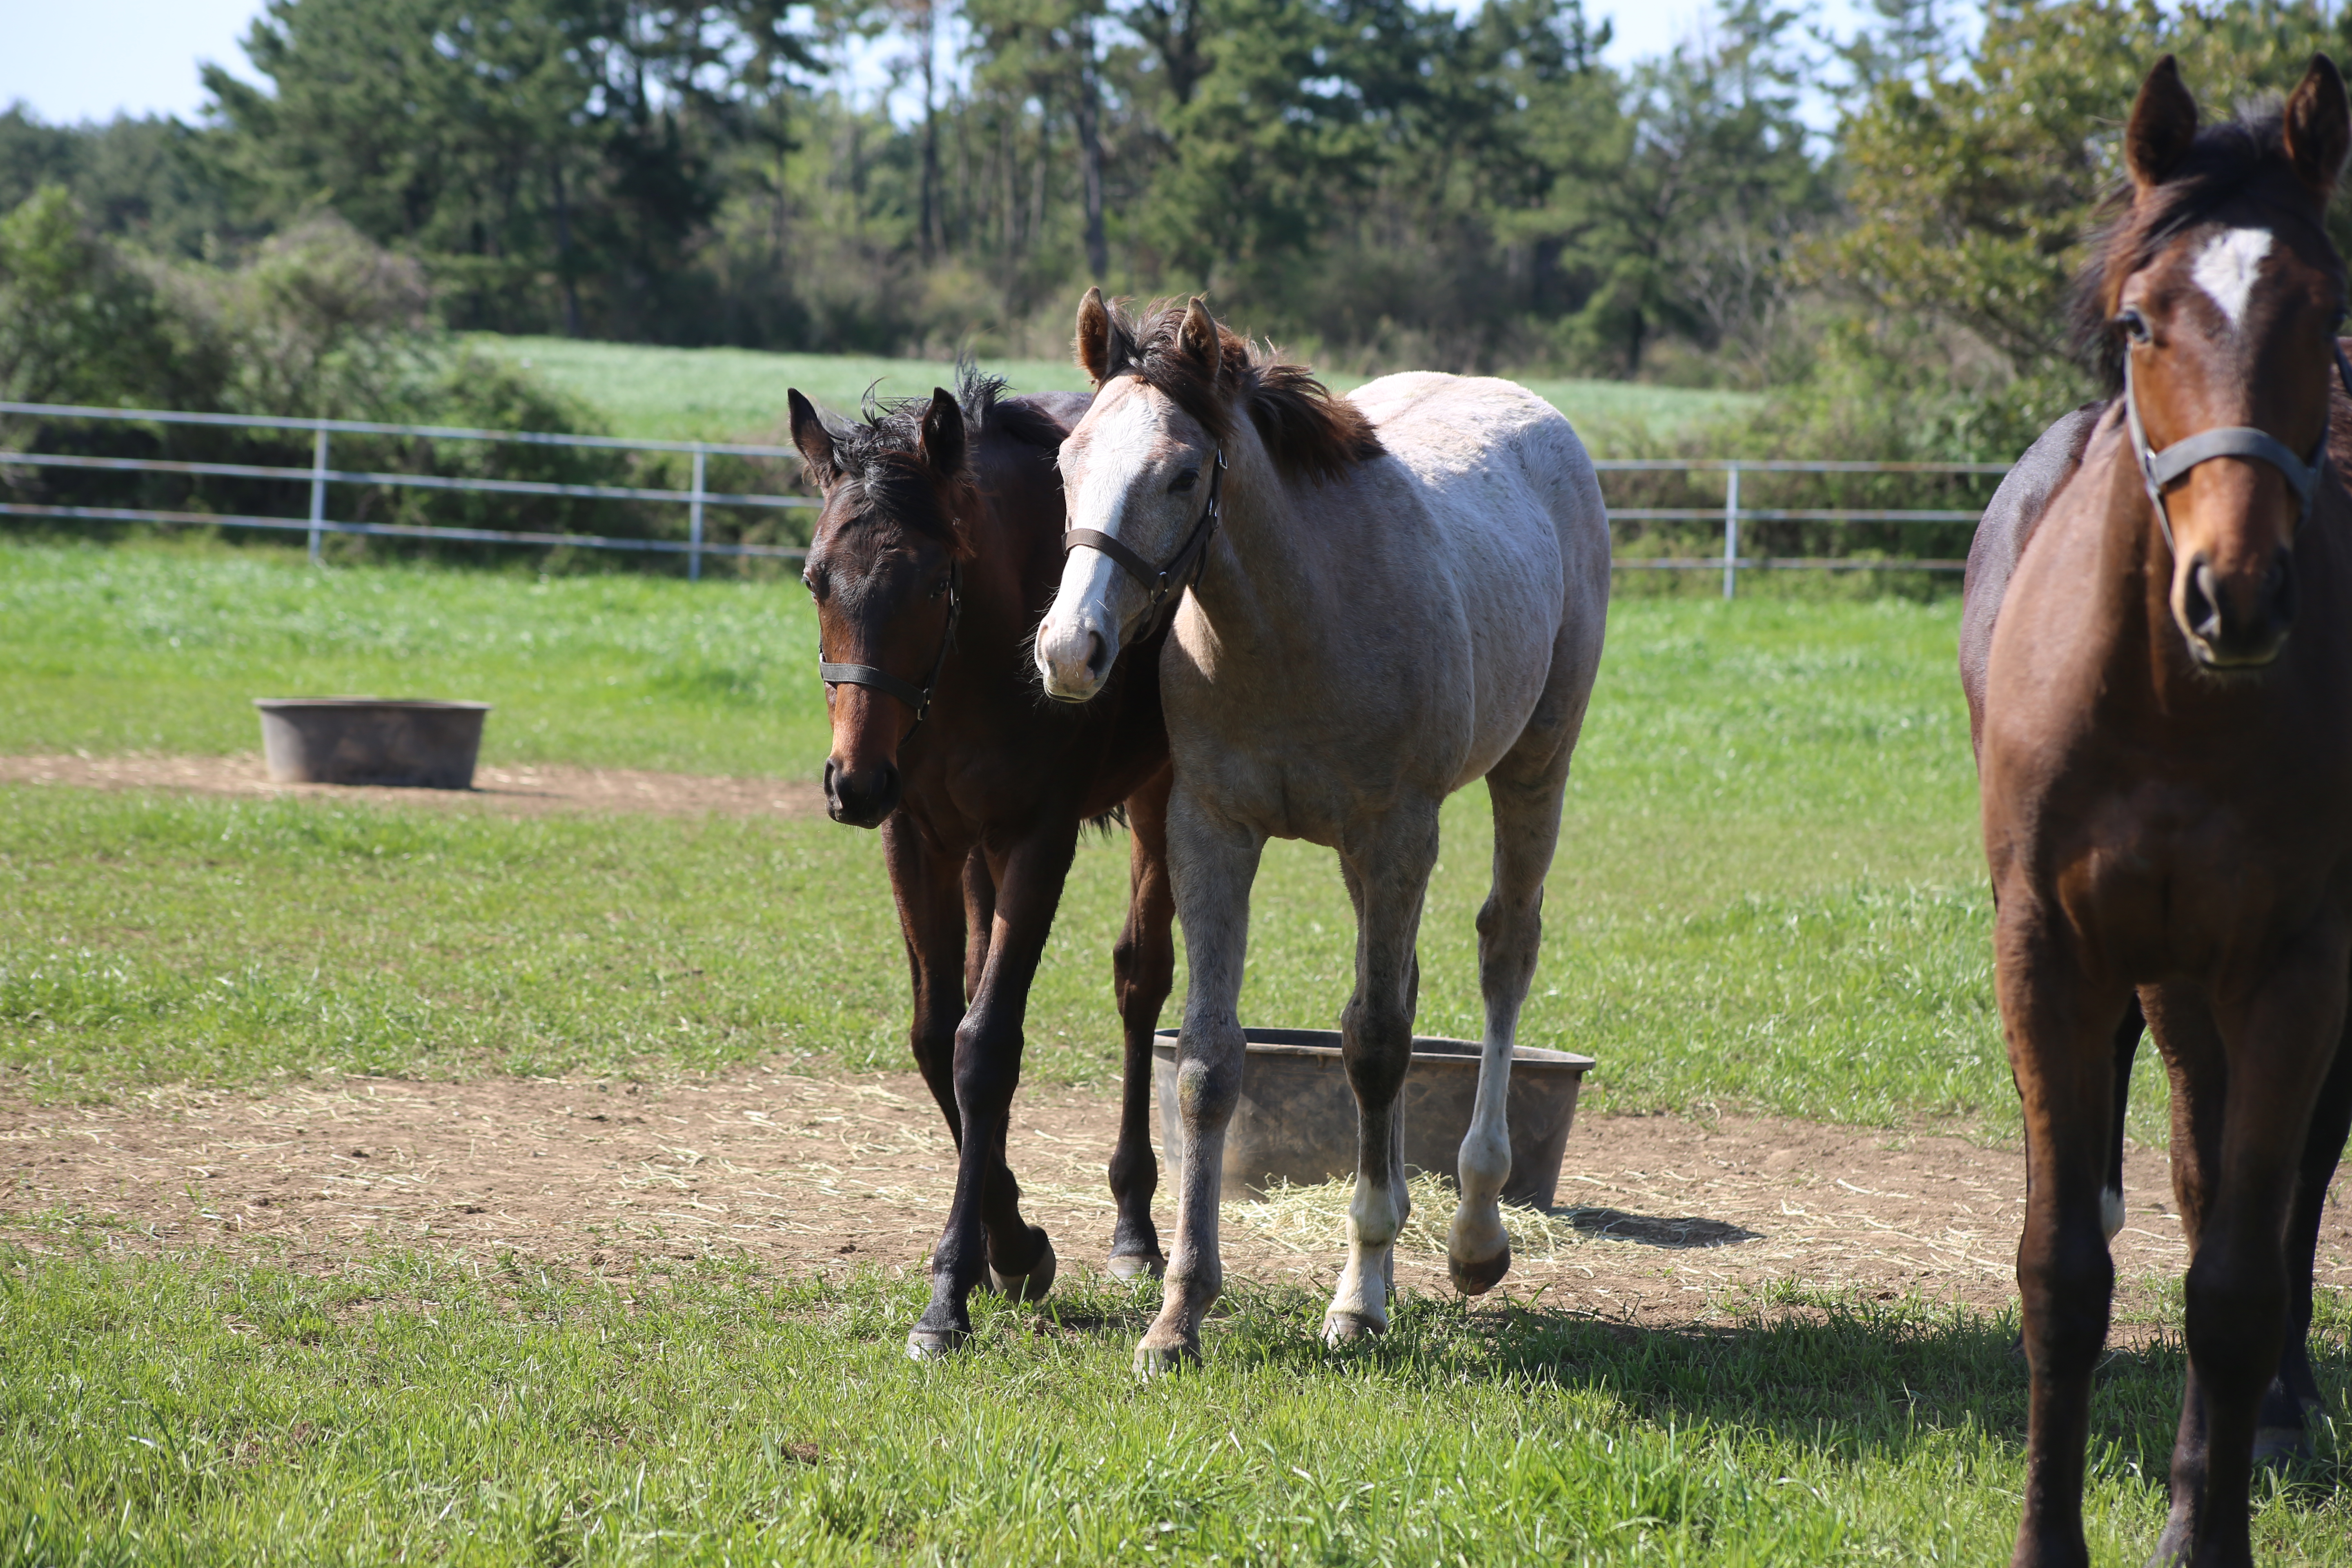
{"points": [[2245, 158], [880, 454], [1307, 429]]}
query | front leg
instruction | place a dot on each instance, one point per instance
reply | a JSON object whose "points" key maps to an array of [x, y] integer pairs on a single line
{"points": [[1212, 861], [2061, 1022], [925, 880], [1386, 866], [986, 1239], [1143, 966]]}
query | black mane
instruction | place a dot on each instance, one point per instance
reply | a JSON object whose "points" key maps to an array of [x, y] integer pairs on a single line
{"points": [[2242, 159]]}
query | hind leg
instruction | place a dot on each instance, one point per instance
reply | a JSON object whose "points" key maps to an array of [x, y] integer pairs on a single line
{"points": [[2295, 1393], [1144, 967], [1510, 933]]}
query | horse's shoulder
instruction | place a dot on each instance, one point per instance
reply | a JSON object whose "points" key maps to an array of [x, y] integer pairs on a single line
{"points": [[2009, 520]]}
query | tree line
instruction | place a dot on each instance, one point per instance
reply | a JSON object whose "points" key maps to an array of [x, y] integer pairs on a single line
{"points": [[1880, 231]]}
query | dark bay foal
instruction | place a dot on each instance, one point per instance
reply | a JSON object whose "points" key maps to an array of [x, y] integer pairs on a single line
{"points": [[2162, 710], [938, 546]]}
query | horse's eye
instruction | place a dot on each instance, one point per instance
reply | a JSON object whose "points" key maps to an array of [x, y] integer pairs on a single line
{"points": [[2134, 325], [938, 587], [815, 585], [1184, 482]]}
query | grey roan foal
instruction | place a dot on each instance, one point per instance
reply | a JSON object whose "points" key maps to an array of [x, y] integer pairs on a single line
{"points": [[1397, 592]]}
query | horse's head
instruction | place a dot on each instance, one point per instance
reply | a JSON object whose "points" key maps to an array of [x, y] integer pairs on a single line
{"points": [[1177, 397], [2218, 296], [885, 566], [1141, 472]]}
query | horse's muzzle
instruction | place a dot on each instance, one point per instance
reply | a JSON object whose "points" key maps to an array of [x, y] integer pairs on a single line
{"points": [[2230, 622], [861, 799]]}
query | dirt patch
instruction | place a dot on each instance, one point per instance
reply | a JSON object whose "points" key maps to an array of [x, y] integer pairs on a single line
{"points": [[1667, 1216], [526, 790]]}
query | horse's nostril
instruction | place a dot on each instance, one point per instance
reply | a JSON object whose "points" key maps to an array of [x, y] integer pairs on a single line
{"points": [[1095, 654], [2202, 598]]}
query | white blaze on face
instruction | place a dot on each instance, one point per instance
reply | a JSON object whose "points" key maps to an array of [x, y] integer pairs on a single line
{"points": [[1117, 447], [2228, 265]]}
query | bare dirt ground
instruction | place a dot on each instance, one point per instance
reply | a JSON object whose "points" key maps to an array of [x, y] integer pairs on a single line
{"points": [[1662, 1220], [526, 790]]}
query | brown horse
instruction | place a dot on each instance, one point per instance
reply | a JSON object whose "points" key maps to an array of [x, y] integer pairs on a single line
{"points": [[2164, 726], [938, 546]]}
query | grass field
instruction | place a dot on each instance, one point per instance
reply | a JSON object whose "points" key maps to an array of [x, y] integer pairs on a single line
{"points": [[685, 395], [1767, 898], [1767, 895]]}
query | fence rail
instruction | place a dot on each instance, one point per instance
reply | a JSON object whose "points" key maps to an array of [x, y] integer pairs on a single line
{"points": [[322, 473]]}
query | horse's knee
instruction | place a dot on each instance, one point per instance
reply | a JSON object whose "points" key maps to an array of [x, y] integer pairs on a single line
{"points": [[1207, 1090], [2069, 1292], [2236, 1316]]}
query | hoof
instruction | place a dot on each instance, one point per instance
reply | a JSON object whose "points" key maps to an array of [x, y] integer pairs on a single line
{"points": [[1340, 1328], [1029, 1287], [1158, 1361], [2278, 1445], [1479, 1276], [1138, 1266], [934, 1344]]}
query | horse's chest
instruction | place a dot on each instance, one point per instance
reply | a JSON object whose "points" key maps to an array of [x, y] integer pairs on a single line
{"points": [[2168, 875]]}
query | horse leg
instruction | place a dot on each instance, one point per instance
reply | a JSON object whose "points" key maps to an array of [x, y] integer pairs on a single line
{"points": [[2279, 1047], [1388, 864], [985, 1239], [2128, 1033], [2195, 1059], [2295, 1393], [980, 920], [931, 919], [1143, 965], [2061, 1029], [1212, 863], [1510, 934]]}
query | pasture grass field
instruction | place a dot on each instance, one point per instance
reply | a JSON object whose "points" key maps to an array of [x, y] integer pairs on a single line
{"points": [[1769, 898], [719, 395], [1767, 895]]}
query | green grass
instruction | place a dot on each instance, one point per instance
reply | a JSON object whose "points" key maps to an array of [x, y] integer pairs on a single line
{"points": [[685, 395], [1767, 895], [411, 1409]]}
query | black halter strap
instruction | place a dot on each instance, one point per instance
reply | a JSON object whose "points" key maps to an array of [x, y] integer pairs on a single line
{"points": [[918, 698], [1164, 584], [2157, 469]]}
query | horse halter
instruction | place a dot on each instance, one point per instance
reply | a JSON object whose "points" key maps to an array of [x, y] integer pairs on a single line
{"points": [[1180, 570], [918, 698], [2157, 469]]}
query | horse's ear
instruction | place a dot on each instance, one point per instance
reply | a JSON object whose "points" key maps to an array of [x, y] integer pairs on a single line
{"points": [[2319, 127], [2163, 124], [813, 440], [1198, 337], [1093, 343], [942, 441]]}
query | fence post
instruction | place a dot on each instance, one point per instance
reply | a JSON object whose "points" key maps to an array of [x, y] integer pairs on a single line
{"points": [[1730, 529], [318, 490], [694, 524]]}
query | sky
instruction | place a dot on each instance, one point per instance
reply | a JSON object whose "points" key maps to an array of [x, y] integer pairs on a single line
{"points": [[72, 60]]}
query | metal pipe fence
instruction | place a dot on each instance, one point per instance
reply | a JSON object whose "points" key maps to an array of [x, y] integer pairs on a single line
{"points": [[1732, 562], [322, 473], [698, 498]]}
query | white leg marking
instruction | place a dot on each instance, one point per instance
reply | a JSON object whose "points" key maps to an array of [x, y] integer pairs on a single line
{"points": [[2111, 1212], [2229, 265]]}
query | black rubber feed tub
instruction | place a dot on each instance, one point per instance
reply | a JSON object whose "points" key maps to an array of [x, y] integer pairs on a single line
{"points": [[371, 741], [1296, 1119]]}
